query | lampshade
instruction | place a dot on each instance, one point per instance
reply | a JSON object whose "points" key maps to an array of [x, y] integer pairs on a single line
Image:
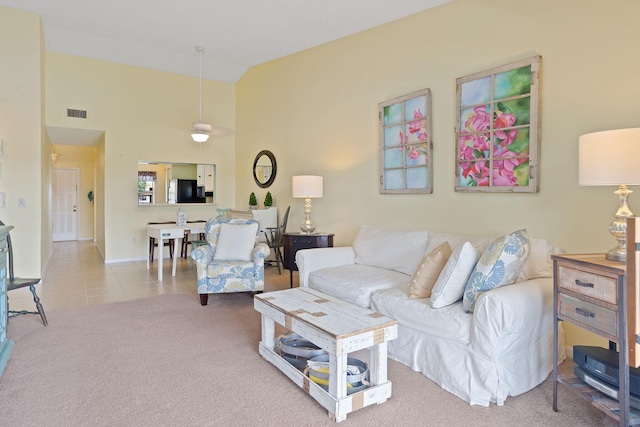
{"points": [[609, 158], [612, 158], [307, 186]]}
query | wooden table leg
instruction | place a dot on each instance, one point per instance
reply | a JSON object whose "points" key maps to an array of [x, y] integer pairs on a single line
{"points": [[268, 332], [160, 256], [338, 381], [378, 364], [148, 249], [338, 375], [174, 242]]}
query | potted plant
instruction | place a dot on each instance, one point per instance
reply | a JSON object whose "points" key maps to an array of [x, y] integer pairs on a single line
{"points": [[253, 201], [268, 200]]}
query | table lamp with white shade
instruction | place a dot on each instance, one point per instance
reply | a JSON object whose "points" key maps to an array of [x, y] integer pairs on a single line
{"points": [[612, 158], [307, 187]]}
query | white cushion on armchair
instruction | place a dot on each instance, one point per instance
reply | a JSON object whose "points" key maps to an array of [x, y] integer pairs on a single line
{"points": [[235, 242]]}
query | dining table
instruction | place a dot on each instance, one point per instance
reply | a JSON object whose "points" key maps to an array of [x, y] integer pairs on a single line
{"points": [[174, 232]]}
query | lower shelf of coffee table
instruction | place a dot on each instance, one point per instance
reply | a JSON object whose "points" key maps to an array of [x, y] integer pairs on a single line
{"points": [[338, 408]]}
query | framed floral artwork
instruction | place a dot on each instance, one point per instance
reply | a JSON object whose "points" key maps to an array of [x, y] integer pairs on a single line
{"points": [[497, 132], [405, 144]]}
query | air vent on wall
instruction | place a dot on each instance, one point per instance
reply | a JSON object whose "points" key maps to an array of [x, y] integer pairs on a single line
{"points": [[81, 114]]}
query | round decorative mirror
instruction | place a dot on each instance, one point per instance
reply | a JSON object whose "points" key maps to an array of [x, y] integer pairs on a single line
{"points": [[264, 169]]}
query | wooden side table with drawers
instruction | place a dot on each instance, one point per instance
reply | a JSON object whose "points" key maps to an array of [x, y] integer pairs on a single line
{"points": [[590, 292], [293, 242]]}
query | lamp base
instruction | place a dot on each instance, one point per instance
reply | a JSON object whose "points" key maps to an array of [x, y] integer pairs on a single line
{"points": [[618, 228], [617, 254], [307, 226]]}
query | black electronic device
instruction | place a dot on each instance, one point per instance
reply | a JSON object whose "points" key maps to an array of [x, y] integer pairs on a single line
{"points": [[603, 387], [602, 364]]}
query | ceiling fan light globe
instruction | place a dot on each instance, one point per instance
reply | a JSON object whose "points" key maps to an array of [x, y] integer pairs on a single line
{"points": [[199, 137]]}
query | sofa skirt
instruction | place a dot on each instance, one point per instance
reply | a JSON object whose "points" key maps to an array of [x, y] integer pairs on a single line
{"points": [[471, 376]]}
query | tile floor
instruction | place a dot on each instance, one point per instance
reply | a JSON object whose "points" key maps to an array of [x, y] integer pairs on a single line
{"points": [[77, 276]]}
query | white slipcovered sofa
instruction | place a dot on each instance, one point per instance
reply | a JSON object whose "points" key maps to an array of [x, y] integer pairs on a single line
{"points": [[503, 347]]}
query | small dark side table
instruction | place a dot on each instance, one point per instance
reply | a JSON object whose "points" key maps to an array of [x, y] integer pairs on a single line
{"points": [[293, 242]]}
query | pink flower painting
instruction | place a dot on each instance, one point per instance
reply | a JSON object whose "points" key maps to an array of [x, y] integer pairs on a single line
{"points": [[475, 145], [406, 144], [497, 128]]}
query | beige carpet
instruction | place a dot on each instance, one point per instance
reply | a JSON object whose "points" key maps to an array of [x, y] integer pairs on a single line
{"points": [[167, 361]]}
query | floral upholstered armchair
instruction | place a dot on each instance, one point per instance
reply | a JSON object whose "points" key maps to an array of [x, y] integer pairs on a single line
{"points": [[232, 261]]}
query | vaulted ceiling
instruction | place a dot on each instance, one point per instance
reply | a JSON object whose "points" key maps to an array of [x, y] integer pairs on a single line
{"points": [[236, 34]]}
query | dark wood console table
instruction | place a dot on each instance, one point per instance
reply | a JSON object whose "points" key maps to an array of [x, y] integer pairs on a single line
{"points": [[293, 242]]}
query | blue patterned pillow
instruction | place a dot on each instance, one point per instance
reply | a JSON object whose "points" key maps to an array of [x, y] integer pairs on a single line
{"points": [[498, 266]]}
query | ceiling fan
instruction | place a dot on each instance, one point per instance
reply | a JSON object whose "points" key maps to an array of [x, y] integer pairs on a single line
{"points": [[200, 130]]}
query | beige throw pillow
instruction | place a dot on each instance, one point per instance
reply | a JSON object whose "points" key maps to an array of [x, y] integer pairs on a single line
{"points": [[428, 271]]}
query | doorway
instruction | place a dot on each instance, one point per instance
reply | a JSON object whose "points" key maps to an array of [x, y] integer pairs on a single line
{"points": [[65, 204]]}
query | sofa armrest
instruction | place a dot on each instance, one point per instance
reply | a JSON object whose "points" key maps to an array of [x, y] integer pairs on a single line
{"points": [[510, 318], [202, 256], [309, 260], [260, 251]]}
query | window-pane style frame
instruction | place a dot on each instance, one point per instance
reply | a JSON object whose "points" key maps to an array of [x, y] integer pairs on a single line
{"points": [[497, 129], [405, 144]]}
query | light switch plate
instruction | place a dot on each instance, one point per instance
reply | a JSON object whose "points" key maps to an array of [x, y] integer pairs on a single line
{"points": [[2, 200]]}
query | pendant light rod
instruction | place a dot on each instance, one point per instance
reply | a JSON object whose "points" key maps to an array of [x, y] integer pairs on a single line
{"points": [[200, 130], [200, 49]]}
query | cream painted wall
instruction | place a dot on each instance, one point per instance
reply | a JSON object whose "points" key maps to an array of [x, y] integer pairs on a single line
{"points": [[84, 160], [23, 167], [317, 111], [46, 199], [99, 199], [46, 242], [146, 115]]}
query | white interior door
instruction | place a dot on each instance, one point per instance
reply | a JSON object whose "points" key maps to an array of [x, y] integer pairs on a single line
{"points": [[65, 204]]}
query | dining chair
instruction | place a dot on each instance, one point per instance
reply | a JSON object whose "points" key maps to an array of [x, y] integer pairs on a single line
{"points": [[273, 235], [185, 240], [153, 244], [21, 282]]}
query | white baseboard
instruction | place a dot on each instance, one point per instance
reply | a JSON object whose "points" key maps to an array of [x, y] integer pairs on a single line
{"points": [[117, 260]]}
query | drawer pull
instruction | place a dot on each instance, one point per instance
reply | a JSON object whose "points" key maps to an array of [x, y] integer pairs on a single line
{"points": [[166, 234], [585, 313], [584, 284]]}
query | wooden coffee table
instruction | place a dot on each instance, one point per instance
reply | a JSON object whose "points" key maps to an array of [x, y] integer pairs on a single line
{"points": [[337, 327]]}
